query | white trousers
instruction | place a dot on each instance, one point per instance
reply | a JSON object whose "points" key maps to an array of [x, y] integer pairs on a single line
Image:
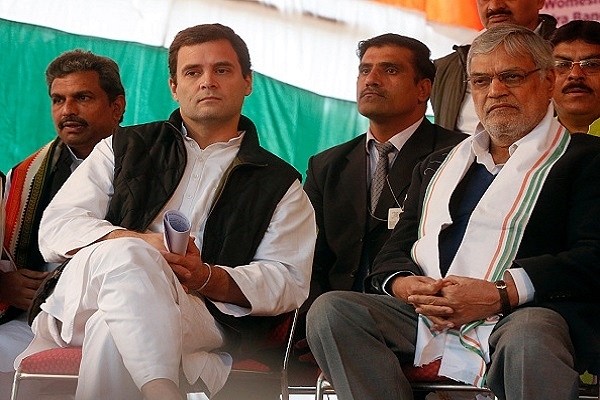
{"points": [[121, 301]]}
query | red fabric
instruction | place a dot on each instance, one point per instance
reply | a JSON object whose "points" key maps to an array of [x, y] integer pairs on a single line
{"points": [[250, 365], [425, 373], [59, 361], [276, 338], [65, 361], [279, 335]]}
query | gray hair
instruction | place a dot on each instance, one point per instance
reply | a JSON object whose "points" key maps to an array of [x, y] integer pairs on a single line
{"points": [[517, 41]]}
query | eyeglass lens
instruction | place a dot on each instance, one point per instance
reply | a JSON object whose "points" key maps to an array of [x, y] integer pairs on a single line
{"points": [[590, 66]]}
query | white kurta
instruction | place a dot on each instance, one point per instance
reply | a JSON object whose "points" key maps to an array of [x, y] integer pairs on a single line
{"points": [[127, 294]]}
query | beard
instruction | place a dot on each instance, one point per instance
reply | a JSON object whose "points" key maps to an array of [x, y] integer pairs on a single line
{"points": [[506, 128]]}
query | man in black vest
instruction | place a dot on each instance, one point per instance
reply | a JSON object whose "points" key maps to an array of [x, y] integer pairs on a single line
{"points": [[140, 311]]}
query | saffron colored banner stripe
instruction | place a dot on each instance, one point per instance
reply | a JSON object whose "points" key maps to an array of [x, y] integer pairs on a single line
{"points": [[461, 13]]}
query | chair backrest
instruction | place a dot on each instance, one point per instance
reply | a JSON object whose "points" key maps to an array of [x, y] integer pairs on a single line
{"points": [[265, 374], [277, 347]]}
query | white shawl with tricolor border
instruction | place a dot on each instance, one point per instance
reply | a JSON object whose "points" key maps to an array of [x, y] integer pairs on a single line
{"points": [[491, 240]]}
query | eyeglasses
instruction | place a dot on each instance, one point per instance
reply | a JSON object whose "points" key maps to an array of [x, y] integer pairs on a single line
{"points": [[512, 78], [590, 66]]}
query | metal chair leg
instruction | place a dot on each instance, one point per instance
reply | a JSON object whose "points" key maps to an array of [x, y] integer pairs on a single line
{"points": [[15, 387], [322, 386]]}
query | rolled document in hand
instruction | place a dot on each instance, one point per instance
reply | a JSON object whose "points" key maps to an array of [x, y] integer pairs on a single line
{"points": [[177, 231]]}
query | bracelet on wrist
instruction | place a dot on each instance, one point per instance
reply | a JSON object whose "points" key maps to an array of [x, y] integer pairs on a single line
{"points": [[207, 278]]}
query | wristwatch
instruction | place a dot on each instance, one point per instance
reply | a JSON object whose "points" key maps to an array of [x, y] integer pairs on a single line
{"points": [[504, 301]]}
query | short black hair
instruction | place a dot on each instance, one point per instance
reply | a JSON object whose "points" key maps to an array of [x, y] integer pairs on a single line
{"points": [[588, 31], [80, 61], [208, 33], [424, 67]]}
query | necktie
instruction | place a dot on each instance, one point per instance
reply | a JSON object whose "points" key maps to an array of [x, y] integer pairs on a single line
{"points": [[381, 171]]}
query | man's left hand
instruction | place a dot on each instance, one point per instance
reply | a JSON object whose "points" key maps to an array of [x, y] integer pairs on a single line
{"points": [[189, 268]]}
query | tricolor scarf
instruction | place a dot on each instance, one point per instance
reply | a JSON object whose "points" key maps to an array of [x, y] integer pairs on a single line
{"points": [[27, 182], [491, 240]]}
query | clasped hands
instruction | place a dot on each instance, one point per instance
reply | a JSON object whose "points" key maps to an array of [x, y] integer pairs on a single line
{"points": [[448, 302]]}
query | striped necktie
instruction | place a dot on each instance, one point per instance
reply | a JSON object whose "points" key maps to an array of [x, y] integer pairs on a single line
{"points": [[381, 171]]}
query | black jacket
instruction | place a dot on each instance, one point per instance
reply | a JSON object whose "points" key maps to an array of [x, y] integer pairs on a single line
{"points": [[560, 248], [337, 186]]}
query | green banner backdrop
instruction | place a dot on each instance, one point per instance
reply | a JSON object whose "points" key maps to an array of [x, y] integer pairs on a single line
{"points": [[291, 122]]}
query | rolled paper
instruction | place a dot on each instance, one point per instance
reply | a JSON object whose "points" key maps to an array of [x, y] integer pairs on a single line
{"points": [[177, 231]]}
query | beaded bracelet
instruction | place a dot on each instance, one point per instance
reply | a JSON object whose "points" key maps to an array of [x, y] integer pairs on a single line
{"points": [[208, 278]]}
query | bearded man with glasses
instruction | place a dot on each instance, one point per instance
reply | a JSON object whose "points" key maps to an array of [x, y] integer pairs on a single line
{"points": [[577, 87], [494, 267]]}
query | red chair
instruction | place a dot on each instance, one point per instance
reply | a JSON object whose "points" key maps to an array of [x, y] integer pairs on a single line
{"points": [[63, 363], [426, 379], [423, 378], [268, 379]]}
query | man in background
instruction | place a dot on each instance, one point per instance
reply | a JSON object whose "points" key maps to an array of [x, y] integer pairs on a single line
{"points": [[577, 64], [87, 105], [451, 97], [354, 215]]}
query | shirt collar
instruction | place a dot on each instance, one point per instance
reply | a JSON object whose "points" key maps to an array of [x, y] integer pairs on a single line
{"points": [[232, 141], [76, 160], [538, 28], [398, 140]]}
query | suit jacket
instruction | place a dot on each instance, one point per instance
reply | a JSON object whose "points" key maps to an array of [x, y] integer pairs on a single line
{"points": [[337, 186], [560, 248]]}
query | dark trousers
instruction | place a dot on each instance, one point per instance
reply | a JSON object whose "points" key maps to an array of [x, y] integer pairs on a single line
{"points": [[360, 340]]}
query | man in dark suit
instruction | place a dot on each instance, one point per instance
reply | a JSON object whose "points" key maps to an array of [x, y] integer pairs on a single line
{"points": [[395, 76], [494, 268]]}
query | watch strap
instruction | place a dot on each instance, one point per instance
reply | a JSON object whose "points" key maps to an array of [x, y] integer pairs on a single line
{"points": [[504, 300]]}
